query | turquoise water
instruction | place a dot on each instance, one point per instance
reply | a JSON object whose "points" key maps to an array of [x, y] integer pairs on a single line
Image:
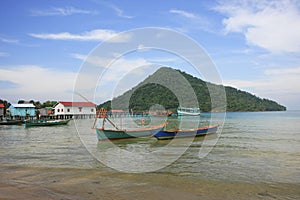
{"points": [[253, 147]]}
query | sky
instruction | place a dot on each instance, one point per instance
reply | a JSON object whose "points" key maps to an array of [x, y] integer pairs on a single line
{"points": [[44, 45]]}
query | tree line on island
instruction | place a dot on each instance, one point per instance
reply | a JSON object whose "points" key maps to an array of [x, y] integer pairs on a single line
{"points": [[149, 93]]}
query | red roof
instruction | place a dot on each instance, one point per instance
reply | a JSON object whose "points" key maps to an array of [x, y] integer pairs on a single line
{"points": [[1, 105], [78, 104]]}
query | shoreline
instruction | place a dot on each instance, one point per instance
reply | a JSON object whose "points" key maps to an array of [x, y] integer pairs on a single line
{"points": [[68, 183]]}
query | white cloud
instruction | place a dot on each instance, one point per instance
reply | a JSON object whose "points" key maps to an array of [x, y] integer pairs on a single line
{"points": [[165, 60], [281, 85], [192, 21], [183, 13], [122, 75], [110, 77], [3, 54], [66, 11], [114, 69], [79, 56], [285, 71], [6, 40], [123, 66], [273, 25], [94, 35], [36, 82], [94, 61], [120, 12]]}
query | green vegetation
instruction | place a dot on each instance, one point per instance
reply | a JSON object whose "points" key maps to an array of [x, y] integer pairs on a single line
{"points": [[152, 94], [106, 105], [238, 100], [38, 105], [158, 87]]}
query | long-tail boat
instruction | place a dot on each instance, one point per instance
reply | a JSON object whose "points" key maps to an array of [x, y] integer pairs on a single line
{"points": [[170, 134], [121, 133], [11, 122], [46, 122]]}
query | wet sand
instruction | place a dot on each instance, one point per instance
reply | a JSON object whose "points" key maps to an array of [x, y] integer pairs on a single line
{"points": [[60, 184]]}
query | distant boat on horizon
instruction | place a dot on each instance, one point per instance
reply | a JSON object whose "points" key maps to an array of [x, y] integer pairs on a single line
{"points": [[184, 111]]}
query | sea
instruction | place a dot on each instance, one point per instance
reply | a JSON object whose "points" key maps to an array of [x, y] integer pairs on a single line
{"points": [[250, 147]]}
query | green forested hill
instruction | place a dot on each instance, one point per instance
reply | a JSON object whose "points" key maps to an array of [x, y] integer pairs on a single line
{"points": [[156, 89]]}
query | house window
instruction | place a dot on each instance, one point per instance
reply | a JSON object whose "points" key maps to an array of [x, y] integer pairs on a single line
{"points": [[62, 110], [92, 110], [68, 110], [80, 109], [58, 110]]}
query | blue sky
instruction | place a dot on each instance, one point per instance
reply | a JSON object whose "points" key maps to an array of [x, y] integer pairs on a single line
{"points": [[255, 45]]}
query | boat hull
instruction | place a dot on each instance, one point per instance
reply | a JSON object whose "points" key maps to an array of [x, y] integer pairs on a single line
{"points": [[11, 122], [103, 134], [183, 113], [46, 123], [165, 134]]}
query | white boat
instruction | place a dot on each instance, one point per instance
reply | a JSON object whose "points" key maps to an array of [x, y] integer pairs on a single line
{"points": [[188, 111]]}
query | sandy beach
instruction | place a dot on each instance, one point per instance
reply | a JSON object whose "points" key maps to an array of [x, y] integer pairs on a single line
{"points": [[55, 183]]}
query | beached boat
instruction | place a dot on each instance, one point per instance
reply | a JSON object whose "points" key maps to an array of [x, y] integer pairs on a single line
{"points": [[46, 122], [11, 122], [188, 111], [120, 133], [170, 134]]}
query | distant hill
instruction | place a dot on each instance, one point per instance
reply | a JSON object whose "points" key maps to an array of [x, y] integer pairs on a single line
{"points": [[156, 89]]}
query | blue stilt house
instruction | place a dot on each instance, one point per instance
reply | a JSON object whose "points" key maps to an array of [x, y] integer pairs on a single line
{"points": [[22, 110]]}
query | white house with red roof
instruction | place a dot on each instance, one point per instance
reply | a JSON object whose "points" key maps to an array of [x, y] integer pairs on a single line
{"points": [[64, 109]]}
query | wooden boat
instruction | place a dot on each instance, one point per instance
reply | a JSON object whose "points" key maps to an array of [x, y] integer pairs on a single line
{"points": [[103, 134], [181, 111], [46, 122], [117, 133], [11, 122], [170, 134]]}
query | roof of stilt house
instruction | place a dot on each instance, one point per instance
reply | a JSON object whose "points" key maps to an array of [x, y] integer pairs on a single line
{"points": [[77, 104]]}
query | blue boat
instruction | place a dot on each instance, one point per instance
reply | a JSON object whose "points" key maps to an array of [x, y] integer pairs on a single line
{"points": [[170, 134]]}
